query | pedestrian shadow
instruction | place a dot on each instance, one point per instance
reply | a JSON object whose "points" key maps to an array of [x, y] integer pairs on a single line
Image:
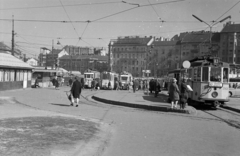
{"points": [[59, 104]]}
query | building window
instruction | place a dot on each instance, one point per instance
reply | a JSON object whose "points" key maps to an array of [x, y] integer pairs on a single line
{"points": [[12, 75], [1, 75]]}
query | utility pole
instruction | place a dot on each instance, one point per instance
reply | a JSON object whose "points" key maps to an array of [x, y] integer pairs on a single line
{"points": [[52, 59], [234, 47], [12, 35], [210, 26]]}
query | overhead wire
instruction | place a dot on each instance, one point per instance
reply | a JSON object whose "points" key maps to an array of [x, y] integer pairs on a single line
{"points": [[84, 21], [155, 12], [228, 10], [68, 18], [57, 6], [134, 8]]}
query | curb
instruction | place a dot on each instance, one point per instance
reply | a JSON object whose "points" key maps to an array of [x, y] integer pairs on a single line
{"points": [[146, 107]]}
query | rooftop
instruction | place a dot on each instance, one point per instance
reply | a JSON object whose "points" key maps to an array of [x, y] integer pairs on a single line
{"points": [[9, 61], [198, 36], [82, 57], [231, 28], [132, 40], [164, 43]]}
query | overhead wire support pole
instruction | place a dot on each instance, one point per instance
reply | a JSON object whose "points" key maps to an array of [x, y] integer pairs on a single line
{"points": [[210, 26]]}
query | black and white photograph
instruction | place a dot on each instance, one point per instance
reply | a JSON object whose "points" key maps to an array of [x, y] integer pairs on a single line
{"points": [[119, 77]]}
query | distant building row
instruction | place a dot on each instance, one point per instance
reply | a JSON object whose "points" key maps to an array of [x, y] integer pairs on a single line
{"points": [[136, 54]]}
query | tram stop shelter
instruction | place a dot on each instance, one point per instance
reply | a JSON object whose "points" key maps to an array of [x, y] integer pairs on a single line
{"points": [[14, 73], [45, 75]]}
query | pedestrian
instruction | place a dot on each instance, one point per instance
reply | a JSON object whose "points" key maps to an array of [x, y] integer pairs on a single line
{"points": [[109, 85], [93, 84], [70, 81], [141, 84], [97, 85], [130, 86], [174, 93], [184, 93], [120, 85], [76, 90], [156, 88], [134, 85], [55, 82], [62, 81], [117, 85], [163, 84], [82, 82], [37, 83]]}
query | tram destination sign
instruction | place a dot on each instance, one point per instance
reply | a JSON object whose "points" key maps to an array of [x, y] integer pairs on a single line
{"points": [[146, 71]]}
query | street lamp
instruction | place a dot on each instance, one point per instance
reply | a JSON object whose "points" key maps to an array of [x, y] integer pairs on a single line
{"points": [[52, 57], [210, 26]]}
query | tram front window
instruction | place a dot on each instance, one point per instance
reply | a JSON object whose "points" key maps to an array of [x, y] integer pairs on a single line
{"points": [[124, 78], [215, 74], [225, 75], [105, 76]]}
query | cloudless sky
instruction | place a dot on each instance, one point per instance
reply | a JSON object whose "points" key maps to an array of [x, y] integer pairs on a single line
{"points": [[38, 22]]}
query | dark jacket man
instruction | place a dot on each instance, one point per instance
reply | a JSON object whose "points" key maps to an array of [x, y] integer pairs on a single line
{"points": [[76, 88]]}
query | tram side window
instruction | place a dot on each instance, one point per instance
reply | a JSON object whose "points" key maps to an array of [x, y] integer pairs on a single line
{"points": [[225, 74], [195, 74], [1, 75], [190, 74], [205, 74], [215, 74], [199, 74]]}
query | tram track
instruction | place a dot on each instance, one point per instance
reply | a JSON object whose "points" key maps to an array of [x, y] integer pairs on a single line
{"points": [[226, 116]]}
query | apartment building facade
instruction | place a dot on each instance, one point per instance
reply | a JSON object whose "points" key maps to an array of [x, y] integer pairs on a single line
{"points": [[83, 62], [230, 43], [130, 54]]}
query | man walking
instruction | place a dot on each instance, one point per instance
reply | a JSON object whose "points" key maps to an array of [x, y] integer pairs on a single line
{"points": [[76, 91]]}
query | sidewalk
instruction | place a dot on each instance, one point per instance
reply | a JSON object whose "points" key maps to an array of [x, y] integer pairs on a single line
{"points": [[44, 132], [141, 100]]}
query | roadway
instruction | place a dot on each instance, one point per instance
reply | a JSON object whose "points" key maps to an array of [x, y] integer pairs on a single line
{"points": [[138, 131]]}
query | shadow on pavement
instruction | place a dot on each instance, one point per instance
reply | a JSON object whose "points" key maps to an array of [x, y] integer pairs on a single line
{"points": [[160, 98], [59, 104]]}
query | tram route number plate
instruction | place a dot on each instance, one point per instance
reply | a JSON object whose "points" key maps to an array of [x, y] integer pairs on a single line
{"points": [[215, 84]]}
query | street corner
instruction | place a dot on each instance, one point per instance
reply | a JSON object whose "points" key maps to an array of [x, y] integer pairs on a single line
{"points": [[52, 135]]}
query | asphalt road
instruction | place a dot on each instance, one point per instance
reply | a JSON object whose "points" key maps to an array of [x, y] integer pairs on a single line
{"points": [[144, 133]]}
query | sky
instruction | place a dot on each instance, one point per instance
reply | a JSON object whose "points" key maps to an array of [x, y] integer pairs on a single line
{"points": [[93, 23]]}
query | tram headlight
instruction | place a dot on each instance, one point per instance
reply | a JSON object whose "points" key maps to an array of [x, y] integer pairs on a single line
{"points": [[214, 94]]}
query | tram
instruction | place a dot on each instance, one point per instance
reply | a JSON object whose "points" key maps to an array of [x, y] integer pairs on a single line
{"points": [[209, 79], [125, 79], [89, 76], [107, 77]]}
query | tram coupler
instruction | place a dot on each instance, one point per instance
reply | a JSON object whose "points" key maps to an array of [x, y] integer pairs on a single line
{"points": [[216, 104]]}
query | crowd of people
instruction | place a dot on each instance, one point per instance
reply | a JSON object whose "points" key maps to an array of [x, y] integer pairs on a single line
{"points": [[178, 94]]}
